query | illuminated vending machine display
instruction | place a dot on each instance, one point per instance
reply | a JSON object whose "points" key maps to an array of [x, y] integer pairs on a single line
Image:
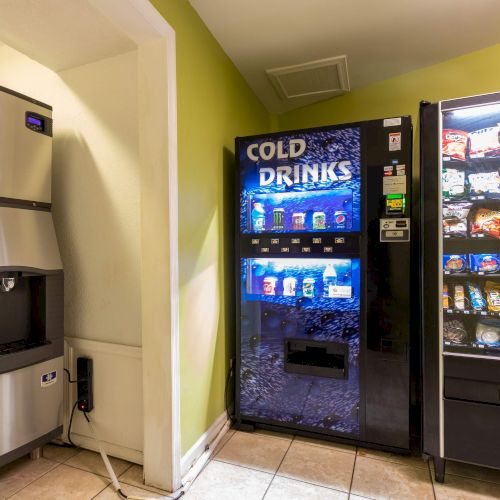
{"points": [[323, 218], [462, 311]]}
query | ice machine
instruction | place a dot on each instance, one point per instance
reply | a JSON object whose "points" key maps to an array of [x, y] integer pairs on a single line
{"points": [[31, 281]]}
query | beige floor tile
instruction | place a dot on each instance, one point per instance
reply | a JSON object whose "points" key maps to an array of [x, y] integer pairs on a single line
{"points": [[110, 494], [227, 436], [327, 444], [279, 435], [473, 471], [63, 483], [92, 462], [318, 465], [257, 451], [134, 477], [283, 488], [380, 479], [393, 457], [59, 453], [22, 472], [222, 481], [463, 488], [357, 497]]}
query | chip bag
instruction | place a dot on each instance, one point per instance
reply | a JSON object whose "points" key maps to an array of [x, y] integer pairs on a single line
{"points": [[454, 143], [487, 222]]}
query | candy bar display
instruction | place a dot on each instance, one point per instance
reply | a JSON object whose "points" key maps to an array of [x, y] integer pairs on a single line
{"points": [[493, 296]]}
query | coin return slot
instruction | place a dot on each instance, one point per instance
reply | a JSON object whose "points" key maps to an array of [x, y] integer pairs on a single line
{"points": [[323, 359]]}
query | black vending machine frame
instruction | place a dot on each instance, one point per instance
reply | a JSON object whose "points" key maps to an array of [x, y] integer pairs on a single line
{"points": [[394, 366], [449, 378]]}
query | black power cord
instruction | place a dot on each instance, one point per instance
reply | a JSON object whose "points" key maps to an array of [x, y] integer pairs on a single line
{"points": [[230, 376]]}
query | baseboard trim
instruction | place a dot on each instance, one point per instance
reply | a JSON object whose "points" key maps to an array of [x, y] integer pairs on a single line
{"points": [[220, 426], [113, 450]]}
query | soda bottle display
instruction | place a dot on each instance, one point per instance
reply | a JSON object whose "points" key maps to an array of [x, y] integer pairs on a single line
{"points": [[289, 287], [329, 280], [258, 217], [308, 287], [319, 220]]}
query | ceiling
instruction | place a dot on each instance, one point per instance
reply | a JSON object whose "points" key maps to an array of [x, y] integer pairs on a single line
{"points": [[381, 38], [61, 34]]}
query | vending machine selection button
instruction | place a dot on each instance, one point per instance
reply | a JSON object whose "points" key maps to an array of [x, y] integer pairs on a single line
{"points": [[264, 250], [306, 249], [295, 241], [339, 241], [328, 249], [255, 241], [285, 250], [317, 241], [275, 241]]}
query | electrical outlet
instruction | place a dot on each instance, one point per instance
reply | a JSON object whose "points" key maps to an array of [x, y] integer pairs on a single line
{"points": [[84, 386]]}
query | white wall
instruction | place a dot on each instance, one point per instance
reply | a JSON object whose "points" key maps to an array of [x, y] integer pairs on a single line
{"points": [[96, 195]]}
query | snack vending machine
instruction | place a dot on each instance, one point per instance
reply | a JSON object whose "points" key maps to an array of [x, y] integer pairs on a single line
{"points": [[324, 282], [461, 280]]}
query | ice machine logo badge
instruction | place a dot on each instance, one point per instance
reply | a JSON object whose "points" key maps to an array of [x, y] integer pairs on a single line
{"points": [[48, 379], [324, 172]]}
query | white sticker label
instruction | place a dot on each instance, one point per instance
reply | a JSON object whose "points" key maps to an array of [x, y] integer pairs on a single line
{"points": [[340, 292], [48, 379], [395, 141], [392, 122], [394, 185]]}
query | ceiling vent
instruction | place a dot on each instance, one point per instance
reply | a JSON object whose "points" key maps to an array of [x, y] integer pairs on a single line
{"points": [[321, 79]]}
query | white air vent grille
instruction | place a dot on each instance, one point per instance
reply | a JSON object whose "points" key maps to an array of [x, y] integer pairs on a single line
{"points": [[323, 78]]}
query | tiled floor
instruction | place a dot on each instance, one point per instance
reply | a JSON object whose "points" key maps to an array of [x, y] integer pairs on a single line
{"points": [[256, 466]]}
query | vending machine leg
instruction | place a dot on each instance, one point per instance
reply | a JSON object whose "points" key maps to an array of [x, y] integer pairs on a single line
{"points": [[439, 466]]}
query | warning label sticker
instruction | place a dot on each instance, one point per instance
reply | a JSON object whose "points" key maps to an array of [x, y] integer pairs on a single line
{"points": [[395, 141]]}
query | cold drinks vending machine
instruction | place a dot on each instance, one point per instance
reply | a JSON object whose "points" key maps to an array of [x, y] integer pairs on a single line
{"points": [[461, 280], [324, 282]]}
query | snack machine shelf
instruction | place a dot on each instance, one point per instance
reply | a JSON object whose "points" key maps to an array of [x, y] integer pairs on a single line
{"points": [[470, 245], [471, 348], [470, 276]]}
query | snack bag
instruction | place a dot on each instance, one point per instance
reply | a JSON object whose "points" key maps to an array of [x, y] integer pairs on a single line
{"points": [[453, 183], [486, 221], [476, 297], [454, 263], [485, 263], [488, 332], [446, 297], [454, 331], [459, 297], [485, 143], [454, 143], [484, 183], [455, 219], [492, 290]]}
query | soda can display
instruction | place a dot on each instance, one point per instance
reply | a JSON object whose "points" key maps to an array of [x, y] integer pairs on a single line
{"points": [[319, 220], [298, 220], [308, 286], [289, 286], [279, 218], [340, 219], [270, 285]]}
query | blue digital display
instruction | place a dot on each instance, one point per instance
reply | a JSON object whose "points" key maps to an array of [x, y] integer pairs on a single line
{"points": [[301, 181], [35, 121]]}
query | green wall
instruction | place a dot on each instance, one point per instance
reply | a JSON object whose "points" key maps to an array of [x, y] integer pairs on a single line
{"points": [[214, 105], [474, 73]]}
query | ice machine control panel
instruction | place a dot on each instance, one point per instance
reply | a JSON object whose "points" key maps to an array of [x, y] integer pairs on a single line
{"points": [[38, 123]]}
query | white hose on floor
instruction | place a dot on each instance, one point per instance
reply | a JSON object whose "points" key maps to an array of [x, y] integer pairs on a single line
{"points": [[109, 468]]}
